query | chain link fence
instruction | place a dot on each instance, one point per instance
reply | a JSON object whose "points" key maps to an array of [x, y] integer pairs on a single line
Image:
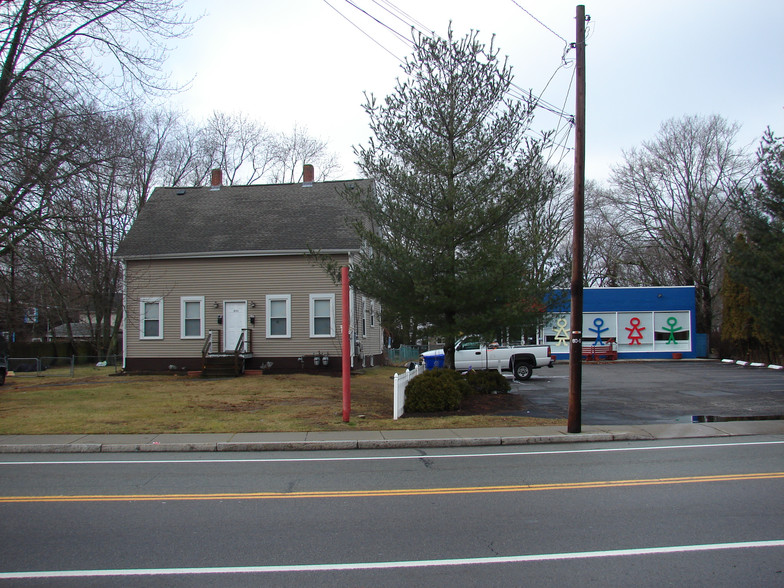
{"points": [[73, 366], [405, 354]]}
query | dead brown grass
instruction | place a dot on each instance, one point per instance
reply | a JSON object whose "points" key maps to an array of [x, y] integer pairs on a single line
{"points": [[110, 404]]}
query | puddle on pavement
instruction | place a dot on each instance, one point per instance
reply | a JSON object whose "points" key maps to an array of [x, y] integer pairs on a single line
{"points": [[724, 419]]}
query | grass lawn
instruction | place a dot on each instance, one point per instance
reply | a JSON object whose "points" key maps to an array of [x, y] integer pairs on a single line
{"points": [[99, 402]]}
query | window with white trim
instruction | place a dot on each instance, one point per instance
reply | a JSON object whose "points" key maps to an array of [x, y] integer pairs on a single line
{"points": [[322, 315], [364, 316], [192, 317], [372, 314], [151, 318], [278, 316]]}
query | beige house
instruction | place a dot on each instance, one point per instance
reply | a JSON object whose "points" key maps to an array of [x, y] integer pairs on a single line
{"points": [[228, 271]]}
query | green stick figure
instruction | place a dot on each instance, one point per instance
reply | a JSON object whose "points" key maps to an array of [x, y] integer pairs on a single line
{"points": [[672, 321]]}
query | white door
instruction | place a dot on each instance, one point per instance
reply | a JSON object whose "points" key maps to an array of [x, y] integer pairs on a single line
{"points": [[469, 354], [235, 319]]}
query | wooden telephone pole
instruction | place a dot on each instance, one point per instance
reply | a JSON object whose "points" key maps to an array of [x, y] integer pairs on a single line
{"points": [[574, 422]]}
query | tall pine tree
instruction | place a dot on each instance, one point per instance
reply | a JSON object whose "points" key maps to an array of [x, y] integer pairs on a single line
{"points": [[454, 173], [756, 258]]}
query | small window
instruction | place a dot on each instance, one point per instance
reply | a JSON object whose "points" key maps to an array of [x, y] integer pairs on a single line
{"points": [[322, 315], [278, 316], [364, 317], [151, 314], [372, 315], [468, 346], [192, 317]]}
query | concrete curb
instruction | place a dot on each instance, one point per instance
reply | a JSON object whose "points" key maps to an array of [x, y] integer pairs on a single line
{"points": [[286, 445], [416, 439], [52, 448]]}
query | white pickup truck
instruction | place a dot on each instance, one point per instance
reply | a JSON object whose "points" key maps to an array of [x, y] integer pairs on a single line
{"points": [[520, 360]]}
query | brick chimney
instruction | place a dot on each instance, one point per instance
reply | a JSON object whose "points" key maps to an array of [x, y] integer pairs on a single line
{"points": [[217, 179], [307, 175]]}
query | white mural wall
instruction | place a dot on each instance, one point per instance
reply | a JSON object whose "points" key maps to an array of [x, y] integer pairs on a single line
{"points": [[642, 332]]}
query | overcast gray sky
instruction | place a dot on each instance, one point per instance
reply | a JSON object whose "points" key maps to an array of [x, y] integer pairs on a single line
{"points": [[309, 61]]}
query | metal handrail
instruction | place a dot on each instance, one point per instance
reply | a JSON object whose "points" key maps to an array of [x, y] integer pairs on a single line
{"points": [[207, 346], [240, 343]]}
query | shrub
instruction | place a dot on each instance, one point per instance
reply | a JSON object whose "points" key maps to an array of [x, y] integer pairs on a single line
{"points": [[436, 390], [487, 382]]}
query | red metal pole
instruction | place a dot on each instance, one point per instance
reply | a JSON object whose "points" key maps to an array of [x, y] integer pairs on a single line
{"points": [[346, 347]]}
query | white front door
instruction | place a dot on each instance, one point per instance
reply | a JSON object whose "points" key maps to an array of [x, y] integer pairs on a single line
{"points": [[235, 319]]}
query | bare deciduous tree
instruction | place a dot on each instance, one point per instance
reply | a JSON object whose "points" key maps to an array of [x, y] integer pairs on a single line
{"points": [[74, 257], [673, 204], [293, 150], [59, 60], [236, 144], [151, 141], [116, 45]]}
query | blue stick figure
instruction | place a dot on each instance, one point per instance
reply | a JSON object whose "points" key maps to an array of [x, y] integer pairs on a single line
{"points": [[598, 323]]}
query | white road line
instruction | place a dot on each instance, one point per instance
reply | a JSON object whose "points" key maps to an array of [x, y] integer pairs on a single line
{"points": [[389, 457], [336, 567]]}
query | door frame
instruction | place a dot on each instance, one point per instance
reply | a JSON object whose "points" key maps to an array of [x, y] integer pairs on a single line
{"points": [[229, 348]]}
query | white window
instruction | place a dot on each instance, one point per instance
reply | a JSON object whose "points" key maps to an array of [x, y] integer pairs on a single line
{"points": [[372, 315], [364, 317], [151, 323], [278, 316], [322, 315], [192, 317]]}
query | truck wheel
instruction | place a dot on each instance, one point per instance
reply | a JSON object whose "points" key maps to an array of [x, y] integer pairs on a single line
{"points": [[523, 371]]}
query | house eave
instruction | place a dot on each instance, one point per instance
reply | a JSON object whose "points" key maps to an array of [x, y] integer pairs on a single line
{"points": [[227, 254]]}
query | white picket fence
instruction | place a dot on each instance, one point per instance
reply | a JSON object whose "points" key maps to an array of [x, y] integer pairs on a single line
{"points": [[401, 381]]}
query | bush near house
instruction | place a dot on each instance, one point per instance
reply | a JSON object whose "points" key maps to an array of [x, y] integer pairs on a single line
{"points": [[487, 382], [443, 389], [436, 390]]}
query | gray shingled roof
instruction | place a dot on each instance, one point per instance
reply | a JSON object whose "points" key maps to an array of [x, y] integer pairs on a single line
{"points": [[238, 220]]}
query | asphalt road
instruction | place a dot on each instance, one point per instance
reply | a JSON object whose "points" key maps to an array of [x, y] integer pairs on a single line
{"points": [[656, 392], [700, 512]]}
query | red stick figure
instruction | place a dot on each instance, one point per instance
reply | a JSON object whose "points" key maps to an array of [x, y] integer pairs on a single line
{"points": [[635, 331]]}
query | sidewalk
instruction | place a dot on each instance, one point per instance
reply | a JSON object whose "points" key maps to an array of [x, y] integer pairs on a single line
{"points": [[378, 439]]}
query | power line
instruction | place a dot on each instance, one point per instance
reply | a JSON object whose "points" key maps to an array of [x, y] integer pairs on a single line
{"points": [[515, 91], [571, 122], [521, 94], [362, 31], [402, 16], [393, 31], [539, 21]]}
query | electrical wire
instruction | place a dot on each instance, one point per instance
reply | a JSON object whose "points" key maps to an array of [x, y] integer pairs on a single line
{"points": [[539, 21], [362, 31], [571, 122], [393, 31], [402, 16], [406, 19]]}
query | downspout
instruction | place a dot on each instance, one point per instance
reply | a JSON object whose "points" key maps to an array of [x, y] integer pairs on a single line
{"points": [[353, 330]]}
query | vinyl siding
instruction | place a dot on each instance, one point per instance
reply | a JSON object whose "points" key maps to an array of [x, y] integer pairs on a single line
{"points": [[249, 279]]}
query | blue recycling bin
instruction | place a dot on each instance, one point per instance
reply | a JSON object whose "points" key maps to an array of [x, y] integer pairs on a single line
{"points": [[434, 361]]}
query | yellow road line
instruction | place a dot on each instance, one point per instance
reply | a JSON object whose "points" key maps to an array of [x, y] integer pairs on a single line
{"points": [[393, 492]]}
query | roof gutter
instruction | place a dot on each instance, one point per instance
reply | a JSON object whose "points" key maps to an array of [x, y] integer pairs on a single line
{"points": [[225, 254]]}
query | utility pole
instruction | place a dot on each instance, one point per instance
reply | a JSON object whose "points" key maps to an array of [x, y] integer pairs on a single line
{"points": [[574, 421]]}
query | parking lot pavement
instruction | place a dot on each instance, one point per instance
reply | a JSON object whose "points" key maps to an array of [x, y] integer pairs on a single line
{"points": [[631, 392]]}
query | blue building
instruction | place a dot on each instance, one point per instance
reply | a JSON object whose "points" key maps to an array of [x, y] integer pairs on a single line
{"points": [[641, 323]]}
